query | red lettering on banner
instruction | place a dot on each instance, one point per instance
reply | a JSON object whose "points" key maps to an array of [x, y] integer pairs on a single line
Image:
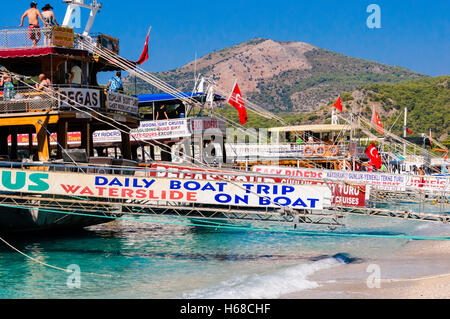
{"points": [[86, 190], [70, 189]]}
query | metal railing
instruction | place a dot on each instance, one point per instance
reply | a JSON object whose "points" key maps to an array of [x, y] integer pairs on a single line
{"points": [[26, 99], [23, 38], [14, 38]]}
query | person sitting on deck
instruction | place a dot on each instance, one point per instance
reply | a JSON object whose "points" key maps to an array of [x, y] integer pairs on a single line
{"points": [[45, 84], [115, 83], [8, 86], [33, 15], [49, 18]]}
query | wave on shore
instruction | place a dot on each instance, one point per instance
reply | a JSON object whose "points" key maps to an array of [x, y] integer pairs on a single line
{"points": [[271, 285]]}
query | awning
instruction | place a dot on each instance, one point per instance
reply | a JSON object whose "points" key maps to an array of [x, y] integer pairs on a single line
{"points": [[36, 52], [320, 128], [148, 99]]}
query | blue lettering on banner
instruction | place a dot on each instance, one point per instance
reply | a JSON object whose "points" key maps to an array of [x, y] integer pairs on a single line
{"points": [[127, 182]]}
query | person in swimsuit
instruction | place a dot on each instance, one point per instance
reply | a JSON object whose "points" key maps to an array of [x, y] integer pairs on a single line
{"points": [[33, 15], [50, 20], [8, 86], [45, 84]]}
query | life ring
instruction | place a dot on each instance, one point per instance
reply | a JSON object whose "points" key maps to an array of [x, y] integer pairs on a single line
{"points": [[344, 164], [306, 154], [335, 148], [320, 151]]}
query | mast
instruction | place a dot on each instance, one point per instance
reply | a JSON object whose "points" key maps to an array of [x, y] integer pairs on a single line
{"points": [[73, 4], [405, 127]]}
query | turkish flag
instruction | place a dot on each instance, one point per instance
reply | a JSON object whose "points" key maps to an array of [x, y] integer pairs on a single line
{"points": [[238, 103], [144, 55], [408, 130], [338, 104], [372, 153], [377, 122], [446, 156]]}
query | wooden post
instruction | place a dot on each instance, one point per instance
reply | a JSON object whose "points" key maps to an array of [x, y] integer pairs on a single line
{"points": [[62, 137], [43, 143], [126, 146], [4, 141], [86, 138], [13, 150], [30, 142]]}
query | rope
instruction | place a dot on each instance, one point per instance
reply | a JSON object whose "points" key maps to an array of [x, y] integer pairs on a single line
{"points": [[45, 264]]}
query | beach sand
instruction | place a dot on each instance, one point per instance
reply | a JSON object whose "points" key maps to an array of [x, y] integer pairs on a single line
{"points": [[421, 270]]}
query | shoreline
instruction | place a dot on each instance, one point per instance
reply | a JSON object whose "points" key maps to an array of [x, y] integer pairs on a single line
{"points": [[421, 271]]}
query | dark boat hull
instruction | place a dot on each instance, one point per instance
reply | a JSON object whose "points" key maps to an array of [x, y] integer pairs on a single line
{"points": [[25, 220]]}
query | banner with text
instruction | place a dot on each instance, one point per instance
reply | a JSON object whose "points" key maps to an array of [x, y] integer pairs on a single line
{"points": [[165, 190]]}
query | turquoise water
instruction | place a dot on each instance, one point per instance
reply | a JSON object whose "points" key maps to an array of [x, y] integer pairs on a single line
{"points": [[148, 260]]}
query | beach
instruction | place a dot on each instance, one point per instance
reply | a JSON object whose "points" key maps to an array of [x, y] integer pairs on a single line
{"points": [[427, 265]]}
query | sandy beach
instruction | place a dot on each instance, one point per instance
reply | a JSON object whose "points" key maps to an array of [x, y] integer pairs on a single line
{"points": [[421, 270]]}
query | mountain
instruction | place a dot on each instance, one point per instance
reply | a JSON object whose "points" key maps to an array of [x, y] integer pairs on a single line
{"points": [[427, 100], [284, 77]]}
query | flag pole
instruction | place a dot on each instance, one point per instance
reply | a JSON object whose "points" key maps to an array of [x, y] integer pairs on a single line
{"points": [[232, 90]]}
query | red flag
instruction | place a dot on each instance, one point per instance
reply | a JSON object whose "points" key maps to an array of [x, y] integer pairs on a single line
{"points": [[338, 104], [238, 103], [377, 122], [144, 55], [446, 156], [372, 153], [408, 130]]}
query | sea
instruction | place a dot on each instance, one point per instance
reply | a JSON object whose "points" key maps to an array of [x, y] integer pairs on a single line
{"points": [[163, 259]]}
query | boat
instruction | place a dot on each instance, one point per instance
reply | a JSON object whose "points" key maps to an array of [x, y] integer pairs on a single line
{"points": [[79, 156]]}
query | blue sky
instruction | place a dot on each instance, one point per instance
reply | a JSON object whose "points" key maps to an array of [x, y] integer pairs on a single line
{"points": [[414, 34]]}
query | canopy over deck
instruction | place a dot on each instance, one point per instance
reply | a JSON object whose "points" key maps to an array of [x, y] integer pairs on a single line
{"points": [[320, 128], [149, 99]]}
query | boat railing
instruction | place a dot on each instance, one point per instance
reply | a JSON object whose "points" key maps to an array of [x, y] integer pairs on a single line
{"points": [[61, 97], [287, 150], [138, 171], [46, 37]]}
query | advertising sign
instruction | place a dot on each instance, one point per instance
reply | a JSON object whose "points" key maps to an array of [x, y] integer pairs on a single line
{"points": [[62, 37], [122, 103], [165, 190], [344, 194], [85, 97]]}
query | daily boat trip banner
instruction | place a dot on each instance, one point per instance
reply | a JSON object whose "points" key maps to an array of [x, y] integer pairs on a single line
{"points": [[227, 193], [345, 195], [382, 181]]}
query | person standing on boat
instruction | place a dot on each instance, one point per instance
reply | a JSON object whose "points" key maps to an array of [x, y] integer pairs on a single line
{"points": [[8, 86], [161, 112], [75, 76], [33, 15], [50, 20], [115, 83]]}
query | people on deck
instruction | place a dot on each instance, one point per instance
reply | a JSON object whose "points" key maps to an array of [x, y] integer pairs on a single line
{"points": [[75, 76], [45, 84], [115, 83], [161, 114], [33, 15], [8, 86], [50, 20]]}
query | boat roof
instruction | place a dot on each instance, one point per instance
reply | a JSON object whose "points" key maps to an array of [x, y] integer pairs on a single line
{"points": [[167, 97], [315, 128]]}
